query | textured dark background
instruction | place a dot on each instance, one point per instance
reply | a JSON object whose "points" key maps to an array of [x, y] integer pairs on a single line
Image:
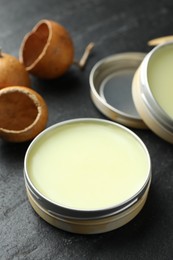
{"points": [[115, 26]]}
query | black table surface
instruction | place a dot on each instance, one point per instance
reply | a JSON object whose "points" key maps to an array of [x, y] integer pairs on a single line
{"points": [[115, 27]]}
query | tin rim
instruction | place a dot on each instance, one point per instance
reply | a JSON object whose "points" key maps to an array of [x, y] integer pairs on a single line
{"points": [[84, 214], [101, 71]]}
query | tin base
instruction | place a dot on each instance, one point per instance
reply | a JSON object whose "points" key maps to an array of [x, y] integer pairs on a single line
{"points": [[89, 226]]}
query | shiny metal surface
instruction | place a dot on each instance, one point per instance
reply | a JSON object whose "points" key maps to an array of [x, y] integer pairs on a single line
{"points": [[110, 85], [153, 114]]}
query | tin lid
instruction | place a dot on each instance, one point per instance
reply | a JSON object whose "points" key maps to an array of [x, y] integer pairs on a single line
{"points": [[110, 85]]}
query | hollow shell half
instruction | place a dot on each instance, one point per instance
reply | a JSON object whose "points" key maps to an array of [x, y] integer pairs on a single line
{"points": [[47, 51], [23, 114]]}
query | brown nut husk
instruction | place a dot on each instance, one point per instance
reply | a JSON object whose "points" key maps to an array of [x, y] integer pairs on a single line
{"points": [[47, 51], [23, 114], [12, 72]]}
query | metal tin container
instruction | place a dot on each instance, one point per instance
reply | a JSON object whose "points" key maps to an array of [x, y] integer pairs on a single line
{"points": [[105, 195], [155, 106], [110, 85]]}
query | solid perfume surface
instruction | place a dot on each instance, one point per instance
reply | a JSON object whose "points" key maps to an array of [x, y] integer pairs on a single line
{"points": [[88, 165]]}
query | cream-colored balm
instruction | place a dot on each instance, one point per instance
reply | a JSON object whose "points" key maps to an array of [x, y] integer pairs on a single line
{"points": [[160, 77], [88, 165]]}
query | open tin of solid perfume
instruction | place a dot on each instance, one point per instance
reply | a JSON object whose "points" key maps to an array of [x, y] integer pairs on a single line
{"points": [[152, 90], [136, 90], [87, 175]]}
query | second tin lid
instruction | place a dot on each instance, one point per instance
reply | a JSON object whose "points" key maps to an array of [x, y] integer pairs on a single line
{"points": [[110, 83]]}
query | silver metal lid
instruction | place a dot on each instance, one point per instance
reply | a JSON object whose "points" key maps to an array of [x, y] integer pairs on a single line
{"points": [[110, 84]]}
